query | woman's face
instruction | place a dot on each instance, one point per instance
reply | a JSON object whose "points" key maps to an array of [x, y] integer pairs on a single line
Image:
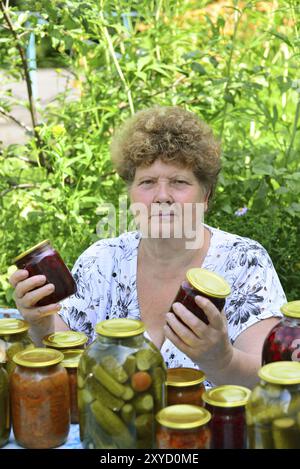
{"points": [[170, 197]]}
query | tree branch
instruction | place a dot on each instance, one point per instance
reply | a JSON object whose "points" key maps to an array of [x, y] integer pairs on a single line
{"points": [[20, 124], [17, 186]]}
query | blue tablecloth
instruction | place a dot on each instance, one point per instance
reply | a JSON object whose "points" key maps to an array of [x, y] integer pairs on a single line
{"points": [[73, 441]]}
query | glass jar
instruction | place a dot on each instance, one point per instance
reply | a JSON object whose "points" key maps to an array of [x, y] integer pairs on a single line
{"points": [[14, 337], [228, 422], [70, 363], [4, 407], [121, 380], [185, 386], [273, 410], [283, 341], [66, 340], [204, 283], [183, 426], [40, 401], [42, 259]]}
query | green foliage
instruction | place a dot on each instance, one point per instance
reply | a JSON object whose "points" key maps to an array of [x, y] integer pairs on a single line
{"points": [[236, 67]]}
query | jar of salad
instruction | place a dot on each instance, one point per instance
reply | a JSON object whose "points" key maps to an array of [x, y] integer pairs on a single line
{"points": [[185, 386], [66, 340], [121, 381], [14, 338]]}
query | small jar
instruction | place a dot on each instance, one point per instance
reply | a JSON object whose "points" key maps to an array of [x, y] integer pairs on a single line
{"points": [[14, 338], [228, 422], [185, 386], [66, 340], [273, 410], [283, 341], [204, 283], [121, 381], [183, 427], [42, 259], [70, 363], [40, 400], [4, 407]]}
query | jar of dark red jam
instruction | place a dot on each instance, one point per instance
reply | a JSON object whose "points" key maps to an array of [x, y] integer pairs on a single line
{"points": [[42, 259], [40, 399], [66, 340], [185, 386], [204, 283], [283, 341], [183, 427], [70, 363], [228, 423]]}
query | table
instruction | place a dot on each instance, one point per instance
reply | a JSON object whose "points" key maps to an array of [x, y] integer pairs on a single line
{"points": [[73, 441]]}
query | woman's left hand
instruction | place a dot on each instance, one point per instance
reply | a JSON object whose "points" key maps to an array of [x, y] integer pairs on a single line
{"points": [[206, 345]]}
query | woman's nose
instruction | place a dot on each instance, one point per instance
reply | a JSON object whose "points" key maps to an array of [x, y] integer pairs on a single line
{"points": [[163, 194]]}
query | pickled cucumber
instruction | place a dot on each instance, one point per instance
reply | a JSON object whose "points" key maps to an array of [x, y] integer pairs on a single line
{"points": [[130, 365], [143, 403], [260, 437], [128, 393], [158, 387], [112, 366], [127, 413], [286, 434], [117, 389], [146, 359], [99, 392]]}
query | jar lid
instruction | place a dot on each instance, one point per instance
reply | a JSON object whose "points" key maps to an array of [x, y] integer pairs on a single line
{"points": [[38, 357], [28, 251], [71, 358], [183, 416], [179, 377], [12, 326], [281, 373], [120, 328], [227, 396], [208, 282], [65, 339], [291, 309]]}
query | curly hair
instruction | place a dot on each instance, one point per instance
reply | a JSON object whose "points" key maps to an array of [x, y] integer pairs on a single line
{"points": [[171, 134]]}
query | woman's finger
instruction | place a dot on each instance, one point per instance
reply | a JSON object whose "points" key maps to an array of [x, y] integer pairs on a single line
{"points": [[30, 299], [176, 340], [29, 284], [17, 277], [182, 331], [190, 319], [213, 314]]}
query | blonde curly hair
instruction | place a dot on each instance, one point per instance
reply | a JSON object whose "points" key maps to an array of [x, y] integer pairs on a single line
{"points": [[171, 134]]}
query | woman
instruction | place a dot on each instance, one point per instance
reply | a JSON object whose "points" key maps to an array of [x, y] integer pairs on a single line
{"points": [[168, 158]]}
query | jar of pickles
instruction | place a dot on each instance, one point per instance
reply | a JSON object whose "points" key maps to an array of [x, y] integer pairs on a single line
{"points": [[273, 410], [40, 401], [204, 283], [283, 341], [4, 407], [185, 386], [14, 337], [228, 422], [42, 259], [183, 426], [66, 340], [70, 363], [121, 381]]}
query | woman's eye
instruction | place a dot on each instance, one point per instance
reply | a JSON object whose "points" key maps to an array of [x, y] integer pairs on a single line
{"points": [[147, 181], [180, 181]]}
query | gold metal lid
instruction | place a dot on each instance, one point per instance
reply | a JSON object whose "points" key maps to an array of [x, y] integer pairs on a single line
{"points": [[28, 251], [120, 328], [207, 282], [72, 358], [284, 372], [38, 357], [12, 326], [183, 416], [291, 309], [227, 396], [65, 339], [182, 377]]}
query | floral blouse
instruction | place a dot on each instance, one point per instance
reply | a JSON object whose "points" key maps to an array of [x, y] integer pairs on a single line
{"points": [[106, 285]]}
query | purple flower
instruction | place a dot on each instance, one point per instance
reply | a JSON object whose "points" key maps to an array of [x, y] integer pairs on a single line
{"points": [[241, 211]]}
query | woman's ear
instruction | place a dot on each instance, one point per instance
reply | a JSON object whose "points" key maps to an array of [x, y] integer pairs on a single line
{"points": [[206, 200]]}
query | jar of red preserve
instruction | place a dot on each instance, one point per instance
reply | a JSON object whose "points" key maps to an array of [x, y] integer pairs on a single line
{"points": [[42, 259], [228, 423], [183, 426], [204, 283], [185, 386], [283, 341], [70, 363]]}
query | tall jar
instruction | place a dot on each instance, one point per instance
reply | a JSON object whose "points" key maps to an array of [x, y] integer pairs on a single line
{"points": [[40, 400], [185, 386], [14, 338], [70, 363], [43, 259], [228, 423], [283, 341], [121, 380], [273, 410], [4, 407], [66, 340], [204, 283]]}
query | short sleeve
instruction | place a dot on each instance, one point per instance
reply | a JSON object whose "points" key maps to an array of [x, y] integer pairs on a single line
{"points": [[257, 293]]}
